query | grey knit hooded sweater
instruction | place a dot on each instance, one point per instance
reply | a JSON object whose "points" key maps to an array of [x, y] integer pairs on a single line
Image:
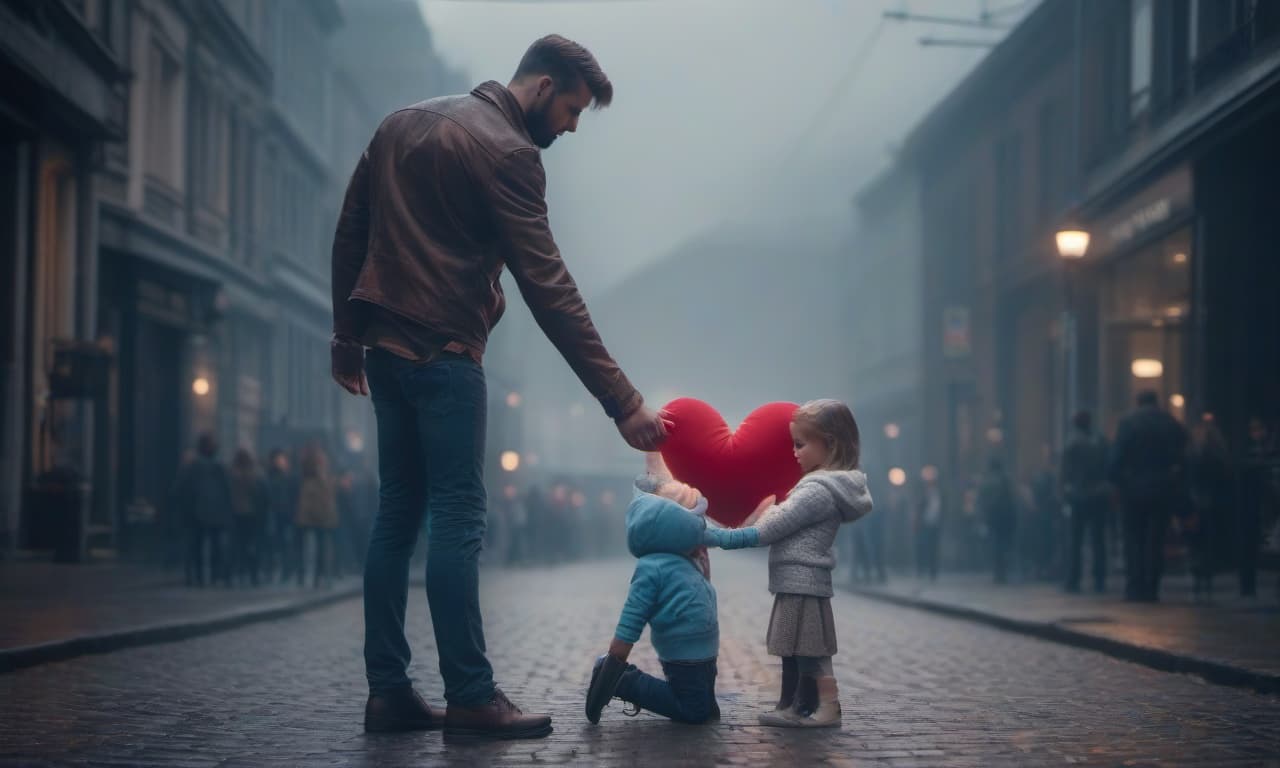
{"points": [[801, 531]]}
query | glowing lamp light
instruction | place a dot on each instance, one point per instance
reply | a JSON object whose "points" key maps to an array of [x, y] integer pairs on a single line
{"points": [[1072, 243], [892, 431], [898, 476], [1177, 401], [929, 473], [1147, 368], [510, 461], [1179, 258], [355, 441], [514, 400], [200, 386], [577, 499]]}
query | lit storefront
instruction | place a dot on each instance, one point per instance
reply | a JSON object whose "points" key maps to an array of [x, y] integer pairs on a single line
{"points": [[1140, 285]]}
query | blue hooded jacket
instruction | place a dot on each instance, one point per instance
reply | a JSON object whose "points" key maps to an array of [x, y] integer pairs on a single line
{"points": [[668, 592]]}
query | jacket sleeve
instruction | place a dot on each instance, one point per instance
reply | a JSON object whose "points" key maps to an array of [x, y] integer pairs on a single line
{"points": [[641, 600], [731, 538], [804, 507], [530, 252], [807, 505], [350, 245]]}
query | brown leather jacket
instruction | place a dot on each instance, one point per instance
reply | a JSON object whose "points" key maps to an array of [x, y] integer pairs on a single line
{"points": [[448, 192]]}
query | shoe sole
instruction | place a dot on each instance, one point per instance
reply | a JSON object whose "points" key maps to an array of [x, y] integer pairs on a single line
{"points": [[481, 734], [402, 727]]}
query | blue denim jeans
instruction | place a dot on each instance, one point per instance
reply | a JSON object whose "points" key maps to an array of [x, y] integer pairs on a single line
{"points": [[688, 695], [431, 429]]}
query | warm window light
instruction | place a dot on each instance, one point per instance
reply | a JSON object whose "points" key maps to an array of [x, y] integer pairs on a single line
{"points": [[200, 386], [1072, 243], [892, 431], [1177, 400], [898, 476], [510, 461], [1179, 258], [1147, 368]]}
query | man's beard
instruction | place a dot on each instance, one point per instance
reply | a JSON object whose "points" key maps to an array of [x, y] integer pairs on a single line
{"points": [[539, 127]]}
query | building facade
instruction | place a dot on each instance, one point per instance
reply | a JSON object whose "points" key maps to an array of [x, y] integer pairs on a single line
{"points": [[186, 160], [1147, 125]]}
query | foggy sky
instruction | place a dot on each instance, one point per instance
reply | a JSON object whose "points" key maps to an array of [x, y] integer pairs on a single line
{"points": [[725, 111]]}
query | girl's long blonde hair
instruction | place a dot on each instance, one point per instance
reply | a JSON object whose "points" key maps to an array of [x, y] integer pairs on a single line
{"points": [[832, 421]]}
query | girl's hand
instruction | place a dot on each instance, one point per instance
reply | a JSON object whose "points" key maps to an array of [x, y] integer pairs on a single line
{"points": [[760, 510]]}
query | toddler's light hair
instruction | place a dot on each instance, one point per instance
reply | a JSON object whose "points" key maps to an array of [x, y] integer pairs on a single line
{"points": [[832, 421]]}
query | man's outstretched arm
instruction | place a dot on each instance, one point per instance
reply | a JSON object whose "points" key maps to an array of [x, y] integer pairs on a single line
{"points": [[530, 252]]}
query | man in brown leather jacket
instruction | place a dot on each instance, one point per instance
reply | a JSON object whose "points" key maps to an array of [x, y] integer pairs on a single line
{"points": [[448, 193]]}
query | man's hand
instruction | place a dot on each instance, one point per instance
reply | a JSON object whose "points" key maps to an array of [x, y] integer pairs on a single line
{"points": [[346, 359], [644, 429]]}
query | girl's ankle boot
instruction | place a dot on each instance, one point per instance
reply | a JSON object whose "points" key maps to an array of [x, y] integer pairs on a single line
{"points": [[802, 702], [827, 712]]}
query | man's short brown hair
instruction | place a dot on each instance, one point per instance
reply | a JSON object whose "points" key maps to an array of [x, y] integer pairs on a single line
{"points": [[567, 64]]}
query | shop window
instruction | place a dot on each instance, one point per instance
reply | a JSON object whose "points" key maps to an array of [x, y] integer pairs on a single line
{"points": [[1146, 310]]}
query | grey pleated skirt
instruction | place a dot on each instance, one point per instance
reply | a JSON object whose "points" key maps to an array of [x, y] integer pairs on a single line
{"points": [[801, 625]]}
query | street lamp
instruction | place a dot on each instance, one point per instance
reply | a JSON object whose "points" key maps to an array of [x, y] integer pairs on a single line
{"points": [[1073, 243], [200, 386], [510, 461]]}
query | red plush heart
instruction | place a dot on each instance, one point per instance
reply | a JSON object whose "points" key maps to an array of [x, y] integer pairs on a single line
{"points": [[734, 470]]}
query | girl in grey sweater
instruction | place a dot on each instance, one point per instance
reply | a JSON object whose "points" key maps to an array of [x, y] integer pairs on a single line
{"points": [[800, 533]]}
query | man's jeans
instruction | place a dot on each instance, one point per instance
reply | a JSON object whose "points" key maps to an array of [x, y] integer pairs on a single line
{"points": [[431, 429], [688, 695]]}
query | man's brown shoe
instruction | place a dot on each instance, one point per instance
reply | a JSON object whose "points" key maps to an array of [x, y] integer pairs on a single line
{"points": [[400, 709], [498, 719]]}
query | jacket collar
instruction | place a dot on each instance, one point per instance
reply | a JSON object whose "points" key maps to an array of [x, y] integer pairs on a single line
{"points": [[497, 94]]}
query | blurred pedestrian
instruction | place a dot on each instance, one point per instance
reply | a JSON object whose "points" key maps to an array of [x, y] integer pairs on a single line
{"points": [[1044, 543], [250, 505], [997, 503], [1146, 465], [282, 494], [1209, 484], [1260, 501], [517, 526], [928, 529], [1085, 490], [203, 491], [317, 516]]}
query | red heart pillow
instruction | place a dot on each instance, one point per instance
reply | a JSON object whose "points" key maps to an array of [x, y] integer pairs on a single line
{"points": [[734, 470]]}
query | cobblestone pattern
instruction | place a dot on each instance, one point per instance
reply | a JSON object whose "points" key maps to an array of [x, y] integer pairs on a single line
{"points": [[917, 689]]}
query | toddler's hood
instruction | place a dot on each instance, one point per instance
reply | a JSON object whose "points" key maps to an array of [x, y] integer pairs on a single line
{"points": [[658, 524], [848, 487]]}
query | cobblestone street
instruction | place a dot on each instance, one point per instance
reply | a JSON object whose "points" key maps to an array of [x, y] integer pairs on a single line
{"points": [[917, 689]]}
